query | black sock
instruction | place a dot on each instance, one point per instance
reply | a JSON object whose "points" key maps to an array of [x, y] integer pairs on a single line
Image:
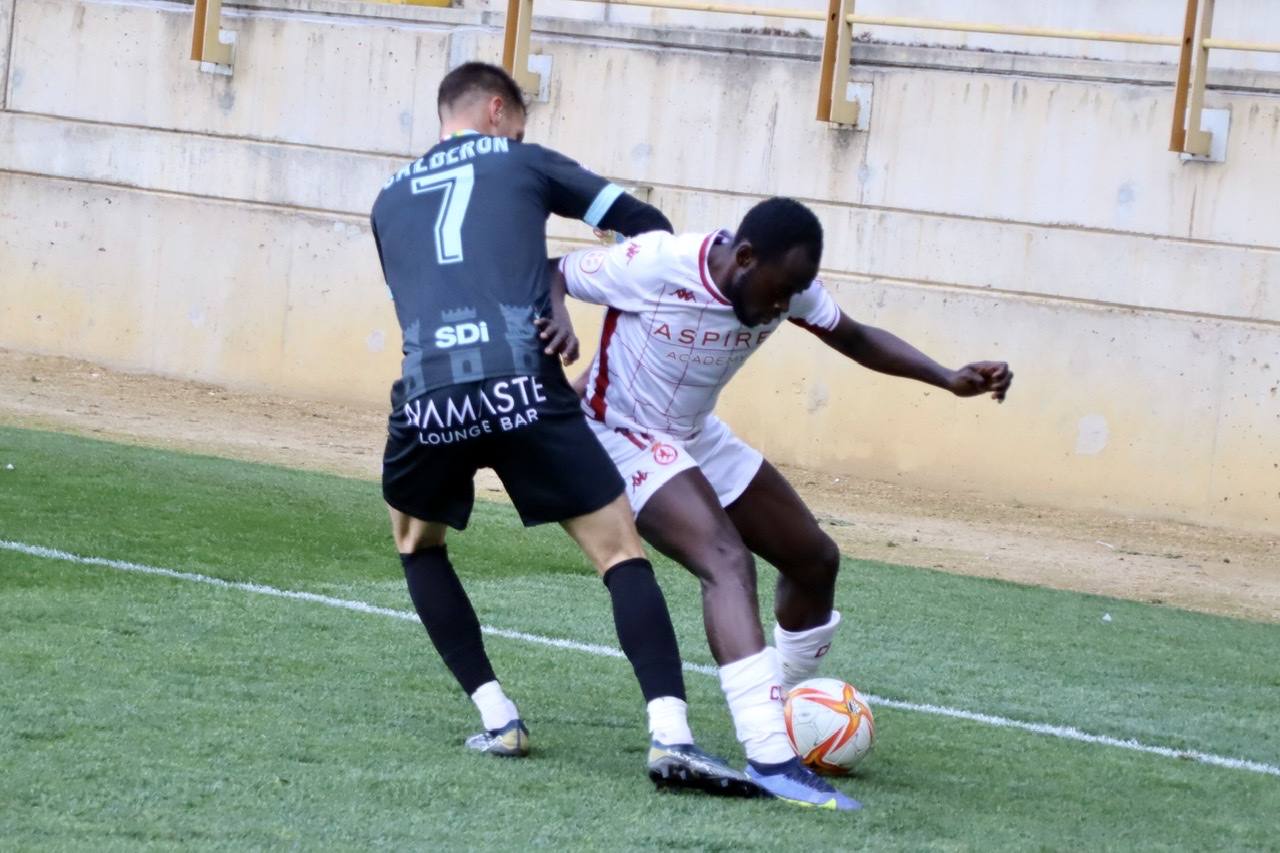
{"points": [[644, 628], [446, 613]]}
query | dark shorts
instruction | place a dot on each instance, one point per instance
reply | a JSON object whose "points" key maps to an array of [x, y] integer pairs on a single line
{"points": [[529, 430]]}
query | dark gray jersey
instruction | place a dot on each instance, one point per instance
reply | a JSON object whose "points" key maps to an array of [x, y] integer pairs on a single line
{"points": [[462, 237]]}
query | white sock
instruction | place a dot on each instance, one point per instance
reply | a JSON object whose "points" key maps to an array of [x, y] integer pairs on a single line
{"points": [[751, 688], [801, 652], [669, 721], [496, 710]]}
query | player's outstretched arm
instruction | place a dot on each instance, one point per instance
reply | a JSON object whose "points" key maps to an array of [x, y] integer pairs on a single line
{"points": [[883, 352]]}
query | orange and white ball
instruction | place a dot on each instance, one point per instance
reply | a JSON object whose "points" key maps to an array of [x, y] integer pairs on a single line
{"points": [[830, 725]]}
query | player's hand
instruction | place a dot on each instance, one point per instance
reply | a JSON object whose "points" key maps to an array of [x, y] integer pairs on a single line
{"points": [[982, 377], [557, 332]]}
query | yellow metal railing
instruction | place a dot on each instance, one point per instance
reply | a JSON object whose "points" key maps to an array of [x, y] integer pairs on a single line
{"points": [[1194, 45], [206, 46], [834, 105]]}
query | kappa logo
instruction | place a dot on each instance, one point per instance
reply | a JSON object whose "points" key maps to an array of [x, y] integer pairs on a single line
{"points": [[591, 262], [638, 478], [633, 249], [664, 454], [685, 294]]}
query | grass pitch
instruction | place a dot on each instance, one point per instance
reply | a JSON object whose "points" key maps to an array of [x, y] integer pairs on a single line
{"points": [[147, 712]]}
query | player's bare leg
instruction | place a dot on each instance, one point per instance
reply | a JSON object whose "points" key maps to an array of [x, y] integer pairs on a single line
{"points": [[685, 521], [609, 539], [607, 536], [777, 526], [451, 623], [412, 534]]}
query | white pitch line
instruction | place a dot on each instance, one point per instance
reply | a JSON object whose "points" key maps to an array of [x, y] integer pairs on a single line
{"points": [[1072, 733], [315, 598], [1064, 732]]}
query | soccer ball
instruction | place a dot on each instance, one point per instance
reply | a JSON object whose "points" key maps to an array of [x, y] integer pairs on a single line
{"points": [[829, 724]]}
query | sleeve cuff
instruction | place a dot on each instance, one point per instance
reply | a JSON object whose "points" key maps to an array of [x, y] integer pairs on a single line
{"points": [[603, 201]]}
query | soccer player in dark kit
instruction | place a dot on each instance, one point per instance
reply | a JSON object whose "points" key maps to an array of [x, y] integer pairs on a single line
{"points": [[461, 234]]}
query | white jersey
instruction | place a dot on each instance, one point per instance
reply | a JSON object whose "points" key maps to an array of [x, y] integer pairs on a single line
{"points": [[670, 341]]}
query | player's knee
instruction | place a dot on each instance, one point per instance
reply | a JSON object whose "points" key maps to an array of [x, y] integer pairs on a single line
{"points": [[409, 548], [723, 563], [827, 562], [816, 565], [416, 538]]}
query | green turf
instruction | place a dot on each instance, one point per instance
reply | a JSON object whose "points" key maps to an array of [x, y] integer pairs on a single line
{"points": [[141, 711]]}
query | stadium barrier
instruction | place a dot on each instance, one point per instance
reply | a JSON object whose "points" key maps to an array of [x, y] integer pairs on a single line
{"points": [[837, 107], [1012, 199], [207, 45]]}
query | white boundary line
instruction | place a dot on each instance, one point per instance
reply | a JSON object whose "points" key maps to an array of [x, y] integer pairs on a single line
{"points": [[1064, 732]]}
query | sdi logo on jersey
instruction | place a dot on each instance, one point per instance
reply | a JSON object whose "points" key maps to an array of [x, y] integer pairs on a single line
{"points": [[461, 334]]}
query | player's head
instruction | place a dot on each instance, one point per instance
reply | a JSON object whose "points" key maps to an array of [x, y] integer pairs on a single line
{"points": [[484, 98], [776, 253]]}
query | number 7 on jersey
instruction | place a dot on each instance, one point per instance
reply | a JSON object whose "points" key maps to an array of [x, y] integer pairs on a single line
{"points": [[455, 184]]}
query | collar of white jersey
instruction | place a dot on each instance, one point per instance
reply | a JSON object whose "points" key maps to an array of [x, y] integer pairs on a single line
{"points": [[704, 257]]}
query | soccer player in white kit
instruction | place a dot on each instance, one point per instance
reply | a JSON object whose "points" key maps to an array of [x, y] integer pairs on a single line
{"points": [[684, 314]]}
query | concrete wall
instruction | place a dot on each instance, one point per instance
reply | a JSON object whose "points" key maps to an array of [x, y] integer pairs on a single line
{"points": [[1243, 20], [1001, 205], [6, 36]]}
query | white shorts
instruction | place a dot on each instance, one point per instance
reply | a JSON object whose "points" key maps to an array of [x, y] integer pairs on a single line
{"points": [[648, 460]]}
